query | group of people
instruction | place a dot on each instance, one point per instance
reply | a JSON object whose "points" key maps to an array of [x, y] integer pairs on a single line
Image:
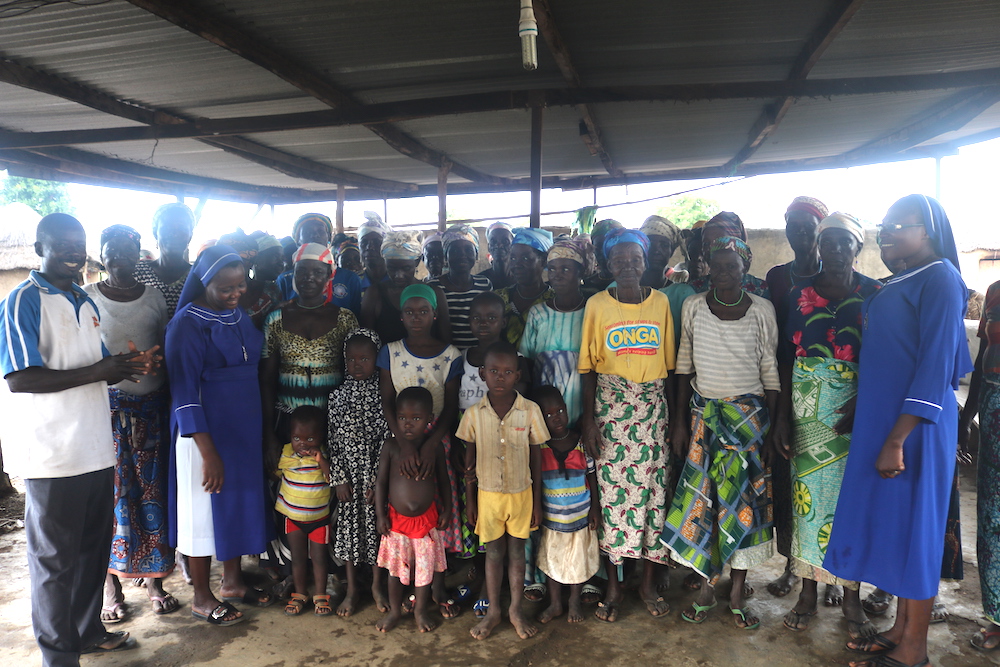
{"points": [[579, 413]]}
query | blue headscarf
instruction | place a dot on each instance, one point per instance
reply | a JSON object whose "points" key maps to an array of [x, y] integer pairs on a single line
{"points": [[533, 237], [208, 264], [622, 235], [937, 225]]}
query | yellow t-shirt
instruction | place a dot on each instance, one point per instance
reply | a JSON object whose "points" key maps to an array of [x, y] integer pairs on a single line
{"points": [[634, 341]]}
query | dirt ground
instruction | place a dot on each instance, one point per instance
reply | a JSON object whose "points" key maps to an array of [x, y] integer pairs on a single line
{"points": [[270, 639]]}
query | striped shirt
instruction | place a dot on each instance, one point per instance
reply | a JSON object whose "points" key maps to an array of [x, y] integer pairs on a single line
{"points": [[304, 494], [729, 357], [459, 305], [503, 460], [565, 496]]}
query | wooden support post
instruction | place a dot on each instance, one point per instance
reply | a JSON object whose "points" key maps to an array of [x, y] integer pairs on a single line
{"points": [[536, 166], [341, 195], [443, 172]]}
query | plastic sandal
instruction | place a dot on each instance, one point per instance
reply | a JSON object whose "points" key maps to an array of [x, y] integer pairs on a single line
{"points": [[742, 613], [321, 605], [698, 610], [296, 604], [480, 608]]}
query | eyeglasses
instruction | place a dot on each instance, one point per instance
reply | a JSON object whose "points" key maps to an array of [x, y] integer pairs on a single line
{"points": [[893, 227]]}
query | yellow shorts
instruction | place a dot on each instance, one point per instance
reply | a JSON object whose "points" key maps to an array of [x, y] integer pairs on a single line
{"points": [[501, 513]]}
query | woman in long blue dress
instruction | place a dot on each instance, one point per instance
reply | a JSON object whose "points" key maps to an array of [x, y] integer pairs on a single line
{"points": [[218, 501], [902, 456]]}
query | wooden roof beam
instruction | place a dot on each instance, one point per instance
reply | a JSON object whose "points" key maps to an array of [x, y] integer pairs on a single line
{"points": [[833, 23], [589, 129], [18, 74], [254, 49]]}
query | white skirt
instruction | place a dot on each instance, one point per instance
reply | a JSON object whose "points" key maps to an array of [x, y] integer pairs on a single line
{"points": [[195, 523], [569, 558]]}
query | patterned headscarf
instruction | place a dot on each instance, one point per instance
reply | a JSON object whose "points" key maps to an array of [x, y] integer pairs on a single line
{"points": [[431, 238], [370, 334], [315, 251], [936, 223], [121, 231], [499, 225], [241, 243], [460, 232], [579, 249], [533, 237], [622, 235], [267, 242], [373, 225], [810, 205], [845, 221], [209, 263], [660, 226], [729, 223], [738, 246], [421, 291], [308, 217], [399, 245], [349, 244]]}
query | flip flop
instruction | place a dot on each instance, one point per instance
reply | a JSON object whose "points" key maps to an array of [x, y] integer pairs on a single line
{"points": [[797, 618], [874, 644], [590, 594], [699, 610], [254, 597], [939, 613], [481, 606], [610, 616], [983, 636], [463, 593], [876, 605], [217, 615], [168, 604], [742, 613], [655, 605], [117, 613], [883, 660], [450, 609], [126, 644], [535, 592]]}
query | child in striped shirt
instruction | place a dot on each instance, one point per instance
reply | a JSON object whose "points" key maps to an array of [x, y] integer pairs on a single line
{"points": [[304, 501]]}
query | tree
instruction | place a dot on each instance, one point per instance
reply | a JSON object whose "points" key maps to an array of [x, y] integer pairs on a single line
{"points": [[43, 196], [685, 210]]}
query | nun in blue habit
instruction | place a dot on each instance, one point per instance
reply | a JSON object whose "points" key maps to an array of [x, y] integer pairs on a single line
{"points": [[218, 502], [888, 529]]}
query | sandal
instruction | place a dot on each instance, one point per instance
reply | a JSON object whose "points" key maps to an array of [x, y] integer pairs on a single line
{"points": [[877, 602], [939, 613], [610, 612], [590, 594], [798, 621], [116, 613], [218, 615], [126, 643], [883, 660], [700, 612], [742, 612], [980, 640], [321, 605], [164, 604], [450, 609], [296, 604], [254, 596], [480, 608], [657, 607], [463, 593], [874, 644], [535, 592]]}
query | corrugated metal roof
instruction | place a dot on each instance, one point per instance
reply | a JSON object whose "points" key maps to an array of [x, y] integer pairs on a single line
{"points": [[389, 51]]}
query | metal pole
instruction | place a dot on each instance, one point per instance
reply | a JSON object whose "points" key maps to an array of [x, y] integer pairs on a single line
{"points": [[341, 196], [536, 166], [443, 171]]}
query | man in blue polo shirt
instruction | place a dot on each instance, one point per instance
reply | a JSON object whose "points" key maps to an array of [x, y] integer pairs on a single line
{"points": [[57, 436]]}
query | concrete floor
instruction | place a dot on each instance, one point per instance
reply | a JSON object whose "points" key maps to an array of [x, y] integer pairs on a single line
{"points": [[269, 639]]}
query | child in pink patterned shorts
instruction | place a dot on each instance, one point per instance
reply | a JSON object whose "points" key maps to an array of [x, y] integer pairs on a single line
{"points": [[408, 516]]}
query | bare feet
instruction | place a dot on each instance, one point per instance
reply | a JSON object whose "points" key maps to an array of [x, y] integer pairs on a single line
{"points": [[424, 621], [575, 611], [939, 612], [783, 585], [858, 624], [483, 629], [389, 621], [525, 630], [350, 603], [797, 619], [834, 596], [381, 601], [554, 610]]}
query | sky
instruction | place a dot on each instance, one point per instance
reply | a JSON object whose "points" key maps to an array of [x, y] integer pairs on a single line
{"points": [[866, 192]]}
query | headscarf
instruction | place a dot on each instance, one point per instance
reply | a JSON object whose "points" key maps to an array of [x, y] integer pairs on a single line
{"points": [[937, 224], [431, 238], [373, 225], [316, 251], [241, 243], [499, 225], [308, 217], [604, 226], [418, 290], [579, 249], [729, 223], [660, 226], [810, 205], [370, 334], [460, 232], [120, 231], [167, 208], [845, 221], [622, 235], [399, 245], [267, 242], [533, 237], [738, 246], [208, 264]]}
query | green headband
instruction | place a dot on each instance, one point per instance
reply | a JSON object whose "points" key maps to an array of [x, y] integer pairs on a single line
{"points": [[419, 291]]}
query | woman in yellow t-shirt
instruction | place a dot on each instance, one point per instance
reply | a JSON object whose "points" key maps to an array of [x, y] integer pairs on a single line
{"points": [[626, 358]]}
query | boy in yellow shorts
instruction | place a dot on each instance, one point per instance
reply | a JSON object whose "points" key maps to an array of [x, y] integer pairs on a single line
{"points": [[502, 434]]}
